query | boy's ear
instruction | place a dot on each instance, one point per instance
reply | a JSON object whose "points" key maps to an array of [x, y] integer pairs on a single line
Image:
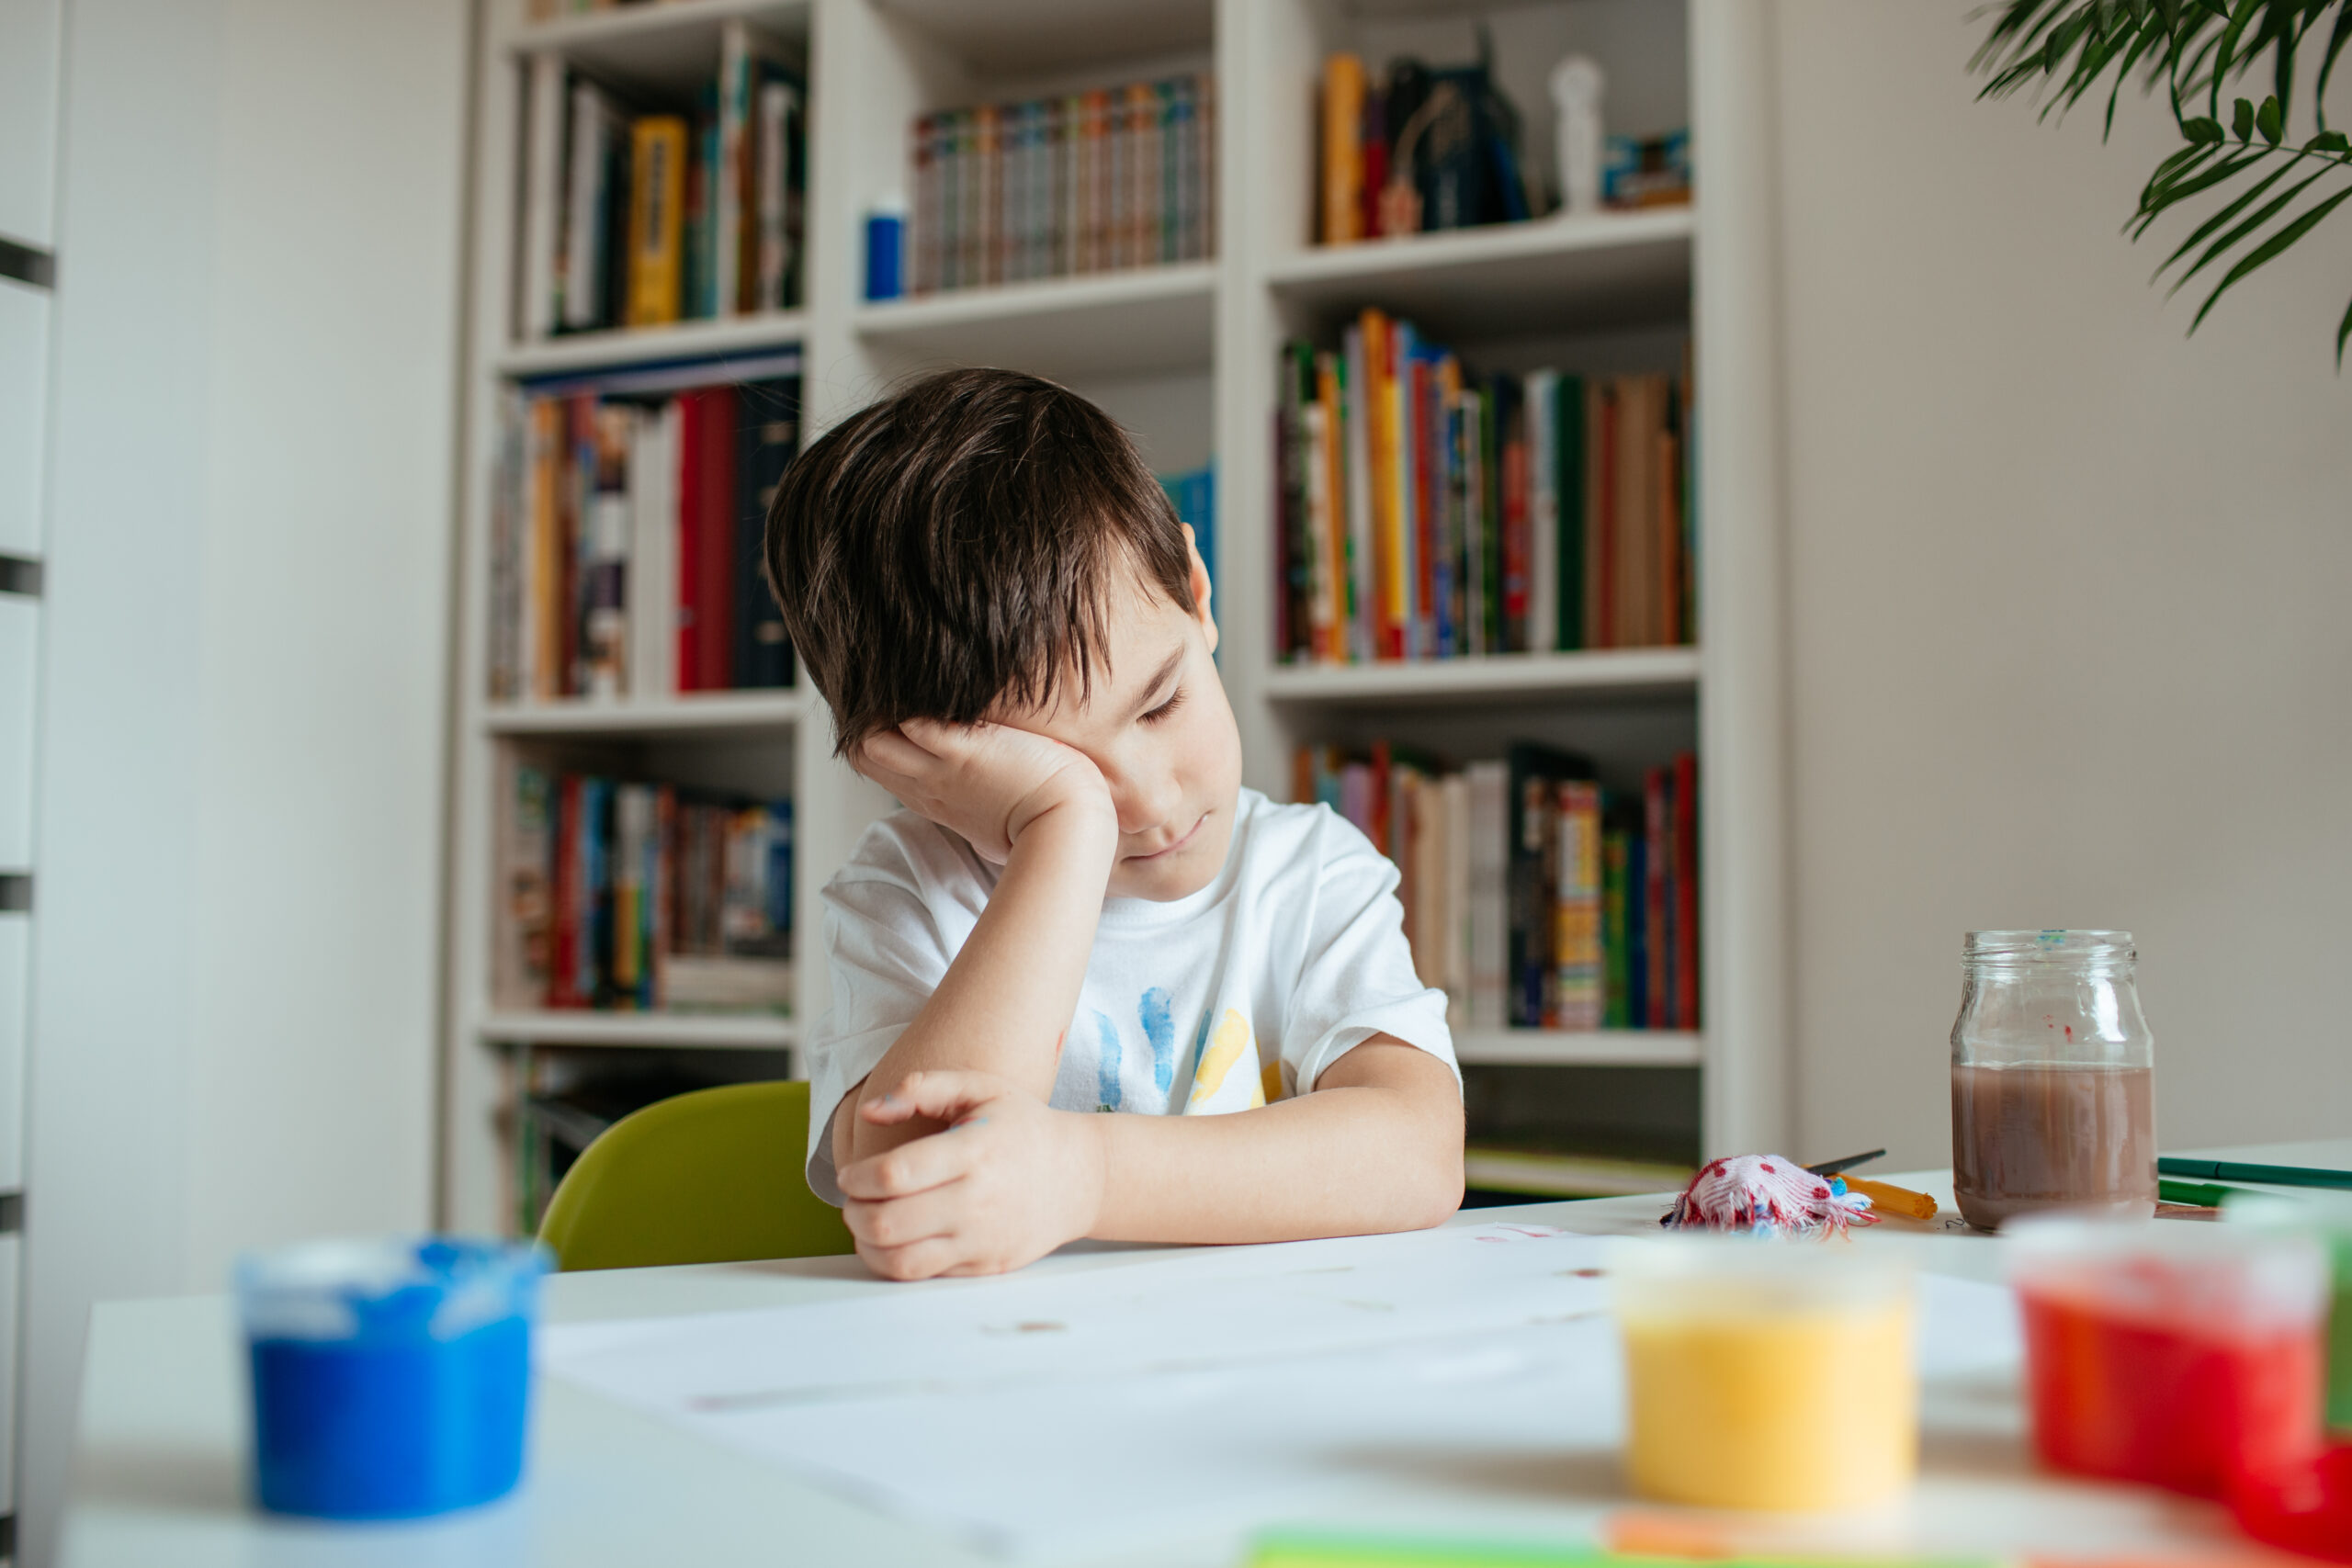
{"points": [[1201, 610]]}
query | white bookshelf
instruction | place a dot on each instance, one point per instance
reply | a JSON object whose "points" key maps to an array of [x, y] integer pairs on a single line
{"points": [[1184, 355]]}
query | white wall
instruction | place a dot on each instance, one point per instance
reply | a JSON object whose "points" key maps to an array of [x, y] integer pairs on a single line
{"points": [[247, 593], [2067, 604]]}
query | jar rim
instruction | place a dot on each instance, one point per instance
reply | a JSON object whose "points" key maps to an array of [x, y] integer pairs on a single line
{"points": [[2052, 946]]}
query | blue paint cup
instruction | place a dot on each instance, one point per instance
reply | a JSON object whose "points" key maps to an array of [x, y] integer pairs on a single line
{"points": [[391, 1379]]}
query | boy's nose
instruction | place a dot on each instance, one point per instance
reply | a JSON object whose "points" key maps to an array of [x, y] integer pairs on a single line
{"points": [[1146, 800]]}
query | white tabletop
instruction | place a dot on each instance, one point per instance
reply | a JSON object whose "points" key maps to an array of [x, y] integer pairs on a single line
{"points": [[158, 1471]]}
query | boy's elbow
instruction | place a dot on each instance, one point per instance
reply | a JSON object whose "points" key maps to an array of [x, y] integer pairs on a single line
{"points": [[1435, 1194]]}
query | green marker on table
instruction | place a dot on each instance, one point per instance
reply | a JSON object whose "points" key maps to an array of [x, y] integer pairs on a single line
{"points": [[2196, 1194]]}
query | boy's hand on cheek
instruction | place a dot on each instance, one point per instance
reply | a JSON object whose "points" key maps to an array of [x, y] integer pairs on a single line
{"points": [[1006, 1183], [986, 782]]}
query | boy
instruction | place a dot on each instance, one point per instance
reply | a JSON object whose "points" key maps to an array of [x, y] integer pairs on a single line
{"points": [[1079, 909]]}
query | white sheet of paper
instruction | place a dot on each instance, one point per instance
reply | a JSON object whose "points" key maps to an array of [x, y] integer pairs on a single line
{"points": [[1185, 1393]]}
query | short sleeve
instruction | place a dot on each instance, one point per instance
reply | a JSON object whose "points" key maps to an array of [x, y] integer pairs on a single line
{"points": [[1356, 976], [886, 955]]}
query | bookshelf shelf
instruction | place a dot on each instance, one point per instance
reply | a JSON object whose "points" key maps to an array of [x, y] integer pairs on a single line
{"points": [[644, 346], [1594, 1048], [655, 43], [712, 713], [1501, 677], [1550, 274], [721, 1032], [1144, 320]]}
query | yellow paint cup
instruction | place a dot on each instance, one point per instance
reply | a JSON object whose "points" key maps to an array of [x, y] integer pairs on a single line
{"points": [[1767, 1374]]}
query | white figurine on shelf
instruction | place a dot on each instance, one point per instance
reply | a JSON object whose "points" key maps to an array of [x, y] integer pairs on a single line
{"points": [[1578, 84]]}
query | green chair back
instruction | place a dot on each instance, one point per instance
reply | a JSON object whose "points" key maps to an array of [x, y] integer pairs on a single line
{"points": [[712, 1176]]}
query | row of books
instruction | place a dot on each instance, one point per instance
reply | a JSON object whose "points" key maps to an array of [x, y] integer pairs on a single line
{"points": [[1430, 512], [1534, 897], [639, 213], [625, 540], [1050, 187], [641, 897]]}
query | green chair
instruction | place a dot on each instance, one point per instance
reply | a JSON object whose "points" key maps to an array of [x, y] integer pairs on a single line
{"points": [[711, 1177]]}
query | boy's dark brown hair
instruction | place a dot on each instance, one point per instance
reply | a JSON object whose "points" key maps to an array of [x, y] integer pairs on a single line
{"points": [[955, 546]]}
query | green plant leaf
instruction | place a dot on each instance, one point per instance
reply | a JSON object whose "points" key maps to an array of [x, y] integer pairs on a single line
{"points": [[2269, 251], [2202, 130], [2242, 119], [2267, 120], [2245, 226], [2213, 223], [2329, 141], [2340, 333], [2337, 36]]}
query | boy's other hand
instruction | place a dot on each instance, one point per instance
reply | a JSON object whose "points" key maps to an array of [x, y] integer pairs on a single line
{"points": [[1008, 1181], [985, 782]]}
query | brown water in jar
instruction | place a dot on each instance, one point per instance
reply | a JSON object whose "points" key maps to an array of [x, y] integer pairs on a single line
{"points": [[2029, 1138]]}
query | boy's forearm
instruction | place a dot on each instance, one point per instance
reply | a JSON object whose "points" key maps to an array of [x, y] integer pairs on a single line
{"points": [[1012, 988], [1376, 1148]]}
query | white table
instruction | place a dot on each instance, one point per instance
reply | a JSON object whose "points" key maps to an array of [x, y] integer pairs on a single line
{"points": [[158, 1456]]}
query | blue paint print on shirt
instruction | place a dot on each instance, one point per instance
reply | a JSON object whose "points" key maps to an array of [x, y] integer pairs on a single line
{"points": [[1108, 1070], [1160, 1029]]}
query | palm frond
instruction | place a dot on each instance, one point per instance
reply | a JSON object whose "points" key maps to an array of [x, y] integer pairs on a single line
{"points": [[2193, 49]]}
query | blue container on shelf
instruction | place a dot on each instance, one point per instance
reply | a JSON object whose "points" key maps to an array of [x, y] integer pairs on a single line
{"points": [[886, 249], [391, 1379]]}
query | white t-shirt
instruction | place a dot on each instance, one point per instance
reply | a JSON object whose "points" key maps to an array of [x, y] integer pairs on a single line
{"points": [[1241, 993]]}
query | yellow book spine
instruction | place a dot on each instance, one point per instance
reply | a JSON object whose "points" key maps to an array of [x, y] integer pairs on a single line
{"points": [[656, 220], [1342, 189]]}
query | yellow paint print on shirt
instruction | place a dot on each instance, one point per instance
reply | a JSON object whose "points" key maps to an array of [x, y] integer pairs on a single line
{"points": [[1231, 1042]]}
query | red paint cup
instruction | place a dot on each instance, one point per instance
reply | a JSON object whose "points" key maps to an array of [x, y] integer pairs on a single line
{"points": [[2173, 1354]]}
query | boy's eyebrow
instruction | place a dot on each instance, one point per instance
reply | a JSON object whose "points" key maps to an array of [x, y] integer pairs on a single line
{"points": [[1167, 668]]}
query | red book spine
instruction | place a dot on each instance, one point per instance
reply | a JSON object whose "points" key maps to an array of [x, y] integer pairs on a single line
{"points": [[1686, 891], [1384, 820], [1657, 879], [689, 526], [579, 470], [564, 945], [715, 604]]}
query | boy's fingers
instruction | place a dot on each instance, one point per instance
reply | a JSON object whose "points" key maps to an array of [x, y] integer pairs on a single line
{"points": [[943, 1095], [938, 738], [920, 1260], [901, 1221], [915, 1166], [891, 750]]}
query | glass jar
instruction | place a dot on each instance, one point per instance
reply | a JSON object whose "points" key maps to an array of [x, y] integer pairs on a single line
{"points": [[2053, 1078]]}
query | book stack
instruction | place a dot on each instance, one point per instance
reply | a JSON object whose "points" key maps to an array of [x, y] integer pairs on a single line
{"points": [[625, 539], [1051, 188], [639, 213], [1428, 511], [1534, 897], [639, 897]]}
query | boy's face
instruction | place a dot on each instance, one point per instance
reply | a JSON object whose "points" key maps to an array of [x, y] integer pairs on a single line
{"points": [[1158, 726]]}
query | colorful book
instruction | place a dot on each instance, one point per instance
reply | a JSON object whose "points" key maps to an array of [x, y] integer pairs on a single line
{"points": [[657, 219]]}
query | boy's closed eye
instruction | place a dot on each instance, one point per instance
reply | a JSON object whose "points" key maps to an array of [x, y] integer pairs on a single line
{"points": [[1159, 714]]}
